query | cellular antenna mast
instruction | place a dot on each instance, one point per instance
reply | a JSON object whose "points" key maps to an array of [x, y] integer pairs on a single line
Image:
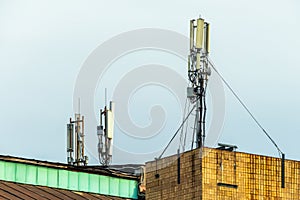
{"points": [[198, 73], [76, 136], [105, 134]]}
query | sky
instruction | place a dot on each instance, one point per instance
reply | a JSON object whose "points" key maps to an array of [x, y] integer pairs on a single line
{"points": [[45, 46]]}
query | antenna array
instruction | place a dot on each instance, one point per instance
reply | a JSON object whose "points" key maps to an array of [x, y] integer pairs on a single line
{"points": [[198, 72], [105, 134], [76, 136]]}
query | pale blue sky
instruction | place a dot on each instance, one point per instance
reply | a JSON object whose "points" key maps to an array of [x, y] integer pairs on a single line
{"points": [[43, 44]]}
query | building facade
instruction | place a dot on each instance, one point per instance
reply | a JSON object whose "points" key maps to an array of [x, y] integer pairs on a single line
{"points": [[219, 174]]}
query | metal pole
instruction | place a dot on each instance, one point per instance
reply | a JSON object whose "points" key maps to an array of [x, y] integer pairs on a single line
{"points": [[283, 171], [82, 135]]}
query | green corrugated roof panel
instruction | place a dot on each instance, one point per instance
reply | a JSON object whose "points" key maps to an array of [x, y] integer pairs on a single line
{"points": [[31, 172], [10, 171], [52, 180], [104, 185], [62, 180], [66, 179], [94, 179], [42, 176], [125, 187], [114, 186]]}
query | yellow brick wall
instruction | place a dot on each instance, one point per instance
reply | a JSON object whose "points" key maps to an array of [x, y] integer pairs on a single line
{"points": [[225, 175]]}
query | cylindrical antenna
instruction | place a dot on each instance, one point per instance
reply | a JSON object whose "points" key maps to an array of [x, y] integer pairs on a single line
{"points": [[191, 34], [189, 63], [70, 136], [198, 57], [70, 142], [199, 33], [112, 106], [207, 38], [101, 117], [110, 146], [109, 124]]}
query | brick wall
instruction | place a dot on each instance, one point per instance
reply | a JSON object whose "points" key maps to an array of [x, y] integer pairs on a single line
{"points": [[225, 175]]}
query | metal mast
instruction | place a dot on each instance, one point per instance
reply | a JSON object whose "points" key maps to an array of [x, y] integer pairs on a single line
{"points": [[76, 136], [198, 73], [105, 135]]}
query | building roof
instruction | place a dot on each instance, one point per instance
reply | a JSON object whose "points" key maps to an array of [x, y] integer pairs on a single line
{"points": [[19, 176], [10, 190], [95, 169]]}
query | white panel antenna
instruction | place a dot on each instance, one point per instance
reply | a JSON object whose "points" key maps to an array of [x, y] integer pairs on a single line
{"points": [[105, 133]]}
